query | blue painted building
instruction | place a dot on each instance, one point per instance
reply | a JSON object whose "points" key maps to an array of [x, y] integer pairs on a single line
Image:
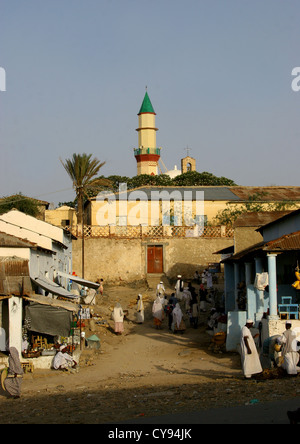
{"points": [[277, 254]]}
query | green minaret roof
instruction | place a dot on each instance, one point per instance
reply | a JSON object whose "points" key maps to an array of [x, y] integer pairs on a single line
{"points": [[146, 105]]}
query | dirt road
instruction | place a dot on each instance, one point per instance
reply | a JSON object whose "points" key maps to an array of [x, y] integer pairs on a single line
{"points": [[144, 372]]}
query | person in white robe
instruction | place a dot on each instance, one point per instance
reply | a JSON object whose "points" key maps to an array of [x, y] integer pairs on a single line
{"points": [[249, 356], [160, 289], [62, 360], [158, 312], [179, 287], [178, 322], [140, 310], [289, 350], [187, 297]]}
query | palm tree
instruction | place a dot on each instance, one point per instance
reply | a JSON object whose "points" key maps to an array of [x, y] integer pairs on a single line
{"points": [[82, 170]]}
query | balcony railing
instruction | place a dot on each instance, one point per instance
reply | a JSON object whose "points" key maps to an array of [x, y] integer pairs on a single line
{"points": [[138, 151], [154, 232]]}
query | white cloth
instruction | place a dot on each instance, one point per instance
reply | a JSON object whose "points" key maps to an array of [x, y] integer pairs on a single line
{"points": [[117, 314], [140, 310], [160, 289], [62, 360], [187, 297], [157, 309], [179, 287], [250, 362], [177, 315], [261, 281], [289, 352]]}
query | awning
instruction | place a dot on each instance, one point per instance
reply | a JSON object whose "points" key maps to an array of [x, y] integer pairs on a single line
{"points": [[79, 280], [53, 288], [49, 320], [48, 300]]}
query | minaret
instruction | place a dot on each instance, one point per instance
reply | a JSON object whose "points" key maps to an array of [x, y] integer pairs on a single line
{"points": [[147, 154]]}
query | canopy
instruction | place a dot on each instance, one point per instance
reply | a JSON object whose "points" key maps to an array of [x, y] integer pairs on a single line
{"points": [[45, 319], [79, 280], [53, 288]]}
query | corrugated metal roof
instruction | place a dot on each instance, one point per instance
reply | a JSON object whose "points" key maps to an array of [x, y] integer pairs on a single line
{"points": [[253, 219], [273, 193], [285, 243]]}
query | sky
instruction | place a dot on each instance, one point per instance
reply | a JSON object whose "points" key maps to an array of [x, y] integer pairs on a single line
{"points": [[218, 73]]}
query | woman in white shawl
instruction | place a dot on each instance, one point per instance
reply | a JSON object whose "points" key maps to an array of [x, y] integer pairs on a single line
{"points": [[118, 317], [140, 310], [178, 322], [158, 312]]}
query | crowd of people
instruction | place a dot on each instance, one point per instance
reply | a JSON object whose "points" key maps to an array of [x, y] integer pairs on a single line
{"points": [[184, 305]]}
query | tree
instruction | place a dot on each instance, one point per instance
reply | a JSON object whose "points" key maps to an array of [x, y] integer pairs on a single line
{"points": [[21, 203], [193, 178], [256, 203], [83, 170]]}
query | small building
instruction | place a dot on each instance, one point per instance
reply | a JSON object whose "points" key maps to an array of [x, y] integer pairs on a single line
{"points": [[260, 276]]}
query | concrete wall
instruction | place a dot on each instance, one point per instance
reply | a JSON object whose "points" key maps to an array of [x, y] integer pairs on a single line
{"points": [[125, 260]]}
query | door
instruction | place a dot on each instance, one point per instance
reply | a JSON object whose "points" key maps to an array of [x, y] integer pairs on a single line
{"points": [[155, 259]]}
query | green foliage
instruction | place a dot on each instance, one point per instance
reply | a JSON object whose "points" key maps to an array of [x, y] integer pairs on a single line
{"points": [[191, 178], [21, 203], [256, 203], [82, 170]]}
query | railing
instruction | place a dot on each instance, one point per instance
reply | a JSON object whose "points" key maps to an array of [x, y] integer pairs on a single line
{"points": [[140, 232]]}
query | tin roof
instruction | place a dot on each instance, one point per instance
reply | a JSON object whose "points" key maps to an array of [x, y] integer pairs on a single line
{"points": [[272, 193], [288, 242], [253, 219]]}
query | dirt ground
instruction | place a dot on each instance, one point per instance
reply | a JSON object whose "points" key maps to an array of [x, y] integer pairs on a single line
{"points": [[144, 372]]}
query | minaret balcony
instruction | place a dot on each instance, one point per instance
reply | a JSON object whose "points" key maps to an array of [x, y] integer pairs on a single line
{"points": [[143, 150]]}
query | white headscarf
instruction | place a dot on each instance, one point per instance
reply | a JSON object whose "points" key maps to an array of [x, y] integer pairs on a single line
{"points": [[157, 308]]}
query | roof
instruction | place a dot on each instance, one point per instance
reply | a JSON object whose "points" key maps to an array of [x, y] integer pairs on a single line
{"points": [[9, 240], [84, 282], [288, 242], [53, 288], [272, 193], [154, 193], [146, 105], [46, 300], [282, 217], [254, 219]]}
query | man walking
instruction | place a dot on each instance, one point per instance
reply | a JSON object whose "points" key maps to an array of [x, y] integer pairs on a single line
{"points": [[249, 356]]}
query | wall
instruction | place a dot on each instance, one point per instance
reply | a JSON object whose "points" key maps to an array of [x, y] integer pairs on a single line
{"points": [[245, 237], [124, 260]]}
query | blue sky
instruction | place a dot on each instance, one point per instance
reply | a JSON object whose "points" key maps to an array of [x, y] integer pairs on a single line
{"points": [[218, 74]]}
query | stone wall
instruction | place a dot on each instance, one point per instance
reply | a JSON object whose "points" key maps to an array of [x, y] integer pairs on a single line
{"points": [[125, 260]]}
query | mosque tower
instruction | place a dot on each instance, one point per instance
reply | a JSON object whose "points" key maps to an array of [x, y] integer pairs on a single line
{"points": [[147, 154]]}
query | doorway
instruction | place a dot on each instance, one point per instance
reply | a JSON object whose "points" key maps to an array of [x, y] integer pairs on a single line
{"points": [[155, 259]]}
